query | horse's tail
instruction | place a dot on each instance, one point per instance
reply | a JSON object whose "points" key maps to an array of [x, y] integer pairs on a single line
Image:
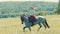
{"points": [[47, 24]]}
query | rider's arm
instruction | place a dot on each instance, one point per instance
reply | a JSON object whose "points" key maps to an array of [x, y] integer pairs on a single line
{"points": [[32, 12]]}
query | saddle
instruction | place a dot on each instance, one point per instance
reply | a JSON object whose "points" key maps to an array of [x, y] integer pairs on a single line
{"points": [[32, 19]]}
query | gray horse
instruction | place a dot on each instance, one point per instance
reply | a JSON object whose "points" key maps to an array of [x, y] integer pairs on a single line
{"points": [[40, 19]]}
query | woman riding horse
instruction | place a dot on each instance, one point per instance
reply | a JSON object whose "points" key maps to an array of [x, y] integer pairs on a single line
{"points": [[31, 20]]}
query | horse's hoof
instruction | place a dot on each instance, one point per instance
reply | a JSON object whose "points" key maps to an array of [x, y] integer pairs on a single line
{"points": [[48, 27]]}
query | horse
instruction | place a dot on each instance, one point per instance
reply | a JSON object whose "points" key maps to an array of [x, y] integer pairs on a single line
{"points": [[39, 20]]}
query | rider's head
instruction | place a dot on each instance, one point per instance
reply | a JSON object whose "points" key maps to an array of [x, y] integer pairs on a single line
{"points": [[32, 8]]}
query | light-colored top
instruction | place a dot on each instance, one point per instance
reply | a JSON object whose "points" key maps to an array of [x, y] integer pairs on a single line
{"points": [[32, 12]]}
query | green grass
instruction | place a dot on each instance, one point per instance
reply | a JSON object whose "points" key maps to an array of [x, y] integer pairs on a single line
{"points": [[14, 26]]}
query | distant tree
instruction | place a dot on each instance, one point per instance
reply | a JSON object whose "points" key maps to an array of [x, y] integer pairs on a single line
{"points": [[58, 8]]}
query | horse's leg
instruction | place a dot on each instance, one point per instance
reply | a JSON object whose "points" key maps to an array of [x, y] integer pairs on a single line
{"points": [[40, 26], [24, 29], [29, 28], [46, 23]]}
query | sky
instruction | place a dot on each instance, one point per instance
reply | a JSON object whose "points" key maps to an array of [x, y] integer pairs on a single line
{"points": [[31, 0]]}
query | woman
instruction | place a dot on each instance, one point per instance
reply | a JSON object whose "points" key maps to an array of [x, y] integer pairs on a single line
{"points": [[32, 18]]}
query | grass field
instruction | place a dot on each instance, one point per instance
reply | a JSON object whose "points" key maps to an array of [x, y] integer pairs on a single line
{"points": [[14, 26]]}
